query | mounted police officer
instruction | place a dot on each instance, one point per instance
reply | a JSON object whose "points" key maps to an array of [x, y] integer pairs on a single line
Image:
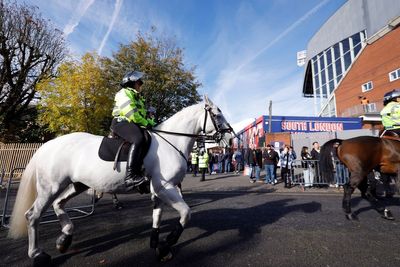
{"points": [[391, 121], [130, 119], [391, 112]]}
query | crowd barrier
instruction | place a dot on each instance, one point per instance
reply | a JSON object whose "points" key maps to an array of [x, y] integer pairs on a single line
{"points": [[307, 173], [11, 188]]}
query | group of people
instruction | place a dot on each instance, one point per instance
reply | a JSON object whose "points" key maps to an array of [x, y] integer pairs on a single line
{"points": [[214, 162], [271, 159]]}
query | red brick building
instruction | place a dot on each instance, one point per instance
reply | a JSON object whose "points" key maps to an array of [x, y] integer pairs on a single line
{"points": [[354, 58], [372, 74]]}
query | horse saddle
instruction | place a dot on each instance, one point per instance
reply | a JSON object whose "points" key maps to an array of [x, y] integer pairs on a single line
{"points": [[116, 148], [388, 134]]}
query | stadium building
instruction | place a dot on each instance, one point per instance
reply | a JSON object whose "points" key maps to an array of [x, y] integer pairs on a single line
{"points": [[354, 59]]}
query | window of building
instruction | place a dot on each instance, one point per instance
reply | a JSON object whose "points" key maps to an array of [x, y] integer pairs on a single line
{"points": [[367, 86], [347, 60], [316, 81], [321, 61], [338, 78], [356, 39], [331, 86], [329, 66], [394, 75], [324, 91], [315, 63], [346, 46], [336, 50], [323, 78], [330, 72], [328, 57], [371, 107], [338, 66]]}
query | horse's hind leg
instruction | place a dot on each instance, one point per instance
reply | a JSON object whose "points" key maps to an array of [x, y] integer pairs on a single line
{"points": [[45, 196], [346, 203], [355, 179], [64, 240], [117, 204]]}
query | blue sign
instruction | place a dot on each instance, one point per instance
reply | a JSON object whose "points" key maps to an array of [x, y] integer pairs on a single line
{"points": [[310, 124]]}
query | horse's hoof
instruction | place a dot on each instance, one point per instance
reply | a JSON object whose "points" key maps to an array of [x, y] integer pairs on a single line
{"points": [[63, 242], [351, 217], [387, 214], [118, 206], [43, 259], [163, 253]]}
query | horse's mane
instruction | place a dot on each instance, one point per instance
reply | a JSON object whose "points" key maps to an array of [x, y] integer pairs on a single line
{"points": [[176, 117]]}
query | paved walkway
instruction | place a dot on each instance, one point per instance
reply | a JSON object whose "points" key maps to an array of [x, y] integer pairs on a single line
{"points": [[239, 182]]}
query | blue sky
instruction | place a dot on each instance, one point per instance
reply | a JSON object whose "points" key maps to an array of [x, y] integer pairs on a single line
{"points": [[244, 50]]}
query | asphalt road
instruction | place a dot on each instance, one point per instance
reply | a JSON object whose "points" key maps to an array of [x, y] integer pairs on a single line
{"points": [[234, 223]]}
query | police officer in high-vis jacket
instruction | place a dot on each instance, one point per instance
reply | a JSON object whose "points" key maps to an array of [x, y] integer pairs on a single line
{"points": [[391, 112], [130, 117]]}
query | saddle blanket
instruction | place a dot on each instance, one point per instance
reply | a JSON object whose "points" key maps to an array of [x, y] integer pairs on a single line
{"points": [[109, 147]]}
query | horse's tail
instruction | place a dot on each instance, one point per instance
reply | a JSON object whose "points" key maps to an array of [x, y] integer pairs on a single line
{"points": [[25, 197], [325, 157]]}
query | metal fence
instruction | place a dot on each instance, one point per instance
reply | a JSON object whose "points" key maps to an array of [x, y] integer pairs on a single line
{"points": [[13, 160], [307, 173], [15, 155]]}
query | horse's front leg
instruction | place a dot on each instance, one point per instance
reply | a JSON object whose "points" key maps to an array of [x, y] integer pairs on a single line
{"points": [[157, 214], [369, 193], [172, 197]]}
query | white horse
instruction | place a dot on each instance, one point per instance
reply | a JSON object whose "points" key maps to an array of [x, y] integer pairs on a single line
{"points": [[68, 165]]}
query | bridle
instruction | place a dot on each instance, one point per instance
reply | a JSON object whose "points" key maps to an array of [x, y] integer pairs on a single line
{"points": [[202, 137], [217, 136]]}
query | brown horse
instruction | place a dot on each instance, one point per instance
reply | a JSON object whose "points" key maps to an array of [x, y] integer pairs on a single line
{"points": [[361, 155]]}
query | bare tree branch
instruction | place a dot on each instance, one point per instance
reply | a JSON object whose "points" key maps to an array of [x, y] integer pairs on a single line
{"points": [[30, 50]]}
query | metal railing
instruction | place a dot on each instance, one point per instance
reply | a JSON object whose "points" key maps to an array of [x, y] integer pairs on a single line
{"points": [[307, 173], [81, 211], [358, 110]]}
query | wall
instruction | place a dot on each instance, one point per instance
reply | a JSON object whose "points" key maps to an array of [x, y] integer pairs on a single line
{"points": [[374, 64]]}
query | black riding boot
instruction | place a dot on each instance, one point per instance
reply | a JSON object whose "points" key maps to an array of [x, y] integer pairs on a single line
{"points": [[134, 178]]}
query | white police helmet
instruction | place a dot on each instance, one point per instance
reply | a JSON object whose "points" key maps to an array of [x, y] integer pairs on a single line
{"points": [[131, 77], [388, 97]]}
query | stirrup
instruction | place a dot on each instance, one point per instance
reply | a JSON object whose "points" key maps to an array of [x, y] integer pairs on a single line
{"points": [[135, 180]]}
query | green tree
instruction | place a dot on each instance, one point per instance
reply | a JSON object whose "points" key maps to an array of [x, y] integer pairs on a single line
{"points": [[168, 85], [78, 99], [30, 50]]}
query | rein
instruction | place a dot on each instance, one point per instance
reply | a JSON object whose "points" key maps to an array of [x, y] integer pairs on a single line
{"points": [[165, 139], [201, 137]]}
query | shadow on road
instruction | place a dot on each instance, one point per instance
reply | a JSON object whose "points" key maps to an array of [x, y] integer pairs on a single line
{"points": [[247, 222]]}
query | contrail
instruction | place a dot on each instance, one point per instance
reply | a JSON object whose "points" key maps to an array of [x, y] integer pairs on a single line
{"points": [[117, 8], [76, 18], [284, 33]]}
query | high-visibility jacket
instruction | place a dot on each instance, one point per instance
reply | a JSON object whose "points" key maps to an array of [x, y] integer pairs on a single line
{"points": [[129, 105], [194, 157], [203, 161], [391, 115]]}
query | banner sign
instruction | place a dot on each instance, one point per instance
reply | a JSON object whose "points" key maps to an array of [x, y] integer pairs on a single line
{"points": [[312, 124]]}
